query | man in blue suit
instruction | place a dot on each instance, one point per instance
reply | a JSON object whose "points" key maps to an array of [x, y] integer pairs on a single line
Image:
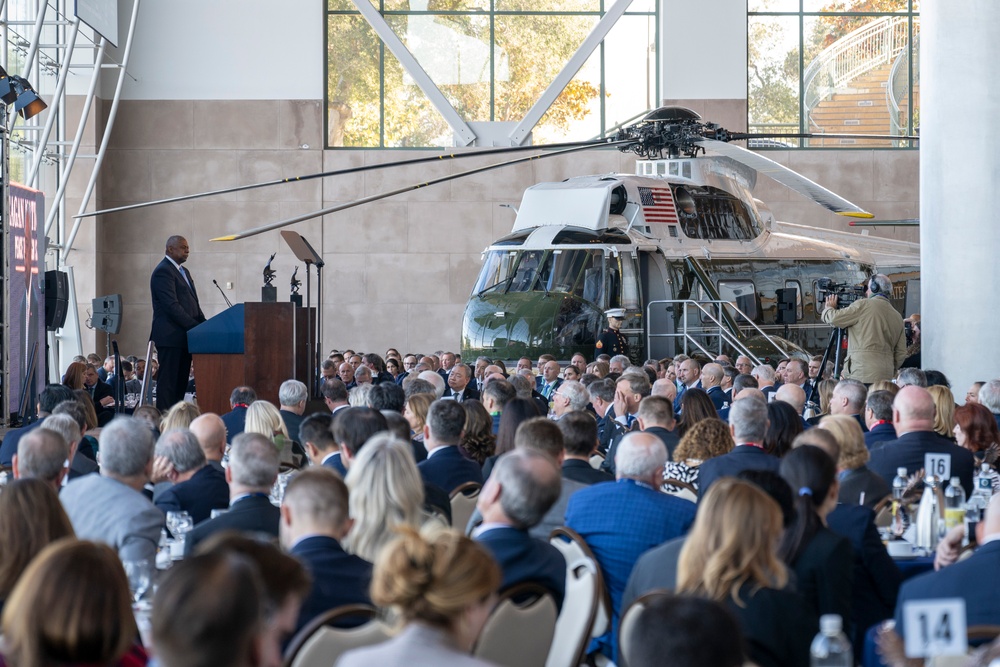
{"points": [[748, 423], [522, 488], [711, 381], [175, 311], [314, 519], [620, 521], [445, 466], [689, 375], [878, 418], [973, 579], [198, 488], [236, 419], [317, 439]]}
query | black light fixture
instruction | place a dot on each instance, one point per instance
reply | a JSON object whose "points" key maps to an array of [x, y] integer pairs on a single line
{"points": [[18, 91]]}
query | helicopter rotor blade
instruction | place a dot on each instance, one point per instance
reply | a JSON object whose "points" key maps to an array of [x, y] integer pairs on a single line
{"points": [[342, 172], [737, 136], [906, 222], [408, 188], [787, 177]]}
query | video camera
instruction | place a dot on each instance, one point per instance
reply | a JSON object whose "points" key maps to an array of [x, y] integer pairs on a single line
{"points": [[846, 293]]}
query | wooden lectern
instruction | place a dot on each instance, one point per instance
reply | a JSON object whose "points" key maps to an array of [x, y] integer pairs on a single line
{"points": [[259, 345]]}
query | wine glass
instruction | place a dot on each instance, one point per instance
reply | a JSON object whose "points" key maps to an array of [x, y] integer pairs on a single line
{"points": [[139, 575], [179, 524]]}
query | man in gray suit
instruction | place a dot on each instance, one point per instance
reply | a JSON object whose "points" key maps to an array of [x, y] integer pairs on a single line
{"points": [[110, 507]]}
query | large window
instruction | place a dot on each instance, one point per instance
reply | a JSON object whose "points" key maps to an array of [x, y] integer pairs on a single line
{"points": [[491, 60], [834, 67]]}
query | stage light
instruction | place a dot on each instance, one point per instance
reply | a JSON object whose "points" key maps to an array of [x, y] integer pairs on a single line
{"points": [[28, 103]]}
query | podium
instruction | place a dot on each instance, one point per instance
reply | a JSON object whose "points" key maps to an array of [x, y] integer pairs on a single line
{"points": [[259, 345]]}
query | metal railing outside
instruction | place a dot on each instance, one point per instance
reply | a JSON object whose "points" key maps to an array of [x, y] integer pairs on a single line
{"points": [[860, 51], [899, 87], [712, 311]]}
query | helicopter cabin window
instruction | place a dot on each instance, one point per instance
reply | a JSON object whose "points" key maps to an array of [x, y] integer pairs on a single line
{"points": [[630, 284], [576, 272], [742, 293], [496, 270], [795, 285], [711, 213]]}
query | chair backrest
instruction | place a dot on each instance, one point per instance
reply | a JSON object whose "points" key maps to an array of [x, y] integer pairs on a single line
{"points": [[320, 644], [596, 460], [463, 504], [519, 632], [629, 617], [580, 605], [576, 552], [684, 490]]}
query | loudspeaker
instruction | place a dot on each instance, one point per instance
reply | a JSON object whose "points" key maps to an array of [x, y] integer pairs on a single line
{"points": [[787, 305], [56, 287]]}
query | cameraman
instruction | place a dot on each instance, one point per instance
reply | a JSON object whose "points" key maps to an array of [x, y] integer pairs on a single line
{"points": [[876, 342]]}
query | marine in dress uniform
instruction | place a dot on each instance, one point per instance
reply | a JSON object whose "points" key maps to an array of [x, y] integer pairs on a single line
{"points": [[611, 341]]}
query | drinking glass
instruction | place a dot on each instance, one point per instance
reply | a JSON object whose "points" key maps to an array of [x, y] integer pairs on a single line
{"points": [[139, 574]]}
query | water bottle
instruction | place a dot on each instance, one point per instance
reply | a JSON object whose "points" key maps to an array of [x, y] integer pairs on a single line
{"points": [[954, 504], [984, 483], [928, 515], [899, 518], [830, 648]]}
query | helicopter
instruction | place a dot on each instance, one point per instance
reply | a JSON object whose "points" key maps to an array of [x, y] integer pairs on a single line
{"points": [[697, 263]]}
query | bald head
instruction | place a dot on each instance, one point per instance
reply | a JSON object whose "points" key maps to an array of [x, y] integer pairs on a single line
{"points": [[711, 375], [913, 410], [641, 456], [792, 394], [665, 388], [750, 392], [211, 434]]}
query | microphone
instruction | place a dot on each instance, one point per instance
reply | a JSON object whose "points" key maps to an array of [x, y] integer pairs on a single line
{"points": [[228, 302]]}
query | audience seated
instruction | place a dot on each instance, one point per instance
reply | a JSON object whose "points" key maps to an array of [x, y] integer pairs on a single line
{"points": [[620, 521], [878, 417], [524, 485], [314, 521], [42, 454], [730, 558], [292, 397], [235, 419], [579, 431], [445, 467], [211, 433], [71, 606], [253, 467], [179, 416], [705, 440], [51, 396], [748, 424], [111, 507], [443, 588], [69, 428], [858, 484], [31, 518], [197, 488]]}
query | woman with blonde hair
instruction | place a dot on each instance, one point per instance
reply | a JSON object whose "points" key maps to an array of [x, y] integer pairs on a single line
{"points": [[944, 417], [858, 484], [444, 587], [386, 492], [71, 607], [179, 416], [415, 412], [264, 418], [730, 556], [705, 440]]}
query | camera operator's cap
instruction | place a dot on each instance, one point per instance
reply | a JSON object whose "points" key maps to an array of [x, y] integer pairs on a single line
{"points": [[615, 312]]}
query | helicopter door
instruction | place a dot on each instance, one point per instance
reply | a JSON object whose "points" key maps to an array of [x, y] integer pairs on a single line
{"points": [[659, 320], [631, 301]]}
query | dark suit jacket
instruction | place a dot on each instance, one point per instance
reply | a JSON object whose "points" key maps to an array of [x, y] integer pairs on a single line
{"points": [[419, 451], [339, 578], [99, 391], [437, 500], [292, 423], [669, 439], [655, 570], [876, 577], [777, 626], [80, 466], [175, 306], [743, 457], [973, 579], [523, 558], [620, 522], [448, 469], [880, 433], [207, 490], [862, 480], [9, 446], [718, 397], [470, 392], [253, 514], [907, 451], [540, 384], [824, 573], [335, 463], [235, 421], [680, 394], [583, 472]]}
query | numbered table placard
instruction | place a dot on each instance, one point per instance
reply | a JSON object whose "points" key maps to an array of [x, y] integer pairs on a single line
{"points": [[935, 627], [938, 465]]}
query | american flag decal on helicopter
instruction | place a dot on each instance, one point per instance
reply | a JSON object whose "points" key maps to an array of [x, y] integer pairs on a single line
{"points": [[658, 205]]}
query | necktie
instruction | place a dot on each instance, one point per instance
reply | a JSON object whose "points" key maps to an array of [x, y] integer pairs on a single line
{"points": [[187, 278]]}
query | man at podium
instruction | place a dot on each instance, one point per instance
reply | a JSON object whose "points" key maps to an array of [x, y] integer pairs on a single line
{"points": [[175, 310]]}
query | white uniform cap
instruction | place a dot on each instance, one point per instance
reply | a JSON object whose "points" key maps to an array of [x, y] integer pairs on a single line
{"points": [[615, 312]]}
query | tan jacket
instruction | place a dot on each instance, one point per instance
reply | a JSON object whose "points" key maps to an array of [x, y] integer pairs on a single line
{"points": [[876, 342]]}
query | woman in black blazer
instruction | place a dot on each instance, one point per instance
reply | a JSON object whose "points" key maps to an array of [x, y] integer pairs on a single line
{"points": [[729, 556], [822, 560]]}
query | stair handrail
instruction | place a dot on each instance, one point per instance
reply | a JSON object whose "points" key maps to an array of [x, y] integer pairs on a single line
{"points": [[722, 330], [895, 90], [859, 51]]}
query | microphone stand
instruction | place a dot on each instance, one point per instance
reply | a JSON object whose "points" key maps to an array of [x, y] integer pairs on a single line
{"points": [[228, 302]]}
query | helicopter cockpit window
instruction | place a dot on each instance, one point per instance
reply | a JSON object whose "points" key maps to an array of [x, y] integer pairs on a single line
{"points": [[711, 213], [527, 270], [496, 270], [567, 272]]}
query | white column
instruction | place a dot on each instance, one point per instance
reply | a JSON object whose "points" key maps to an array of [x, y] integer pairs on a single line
{"points": [[960, 190]]}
